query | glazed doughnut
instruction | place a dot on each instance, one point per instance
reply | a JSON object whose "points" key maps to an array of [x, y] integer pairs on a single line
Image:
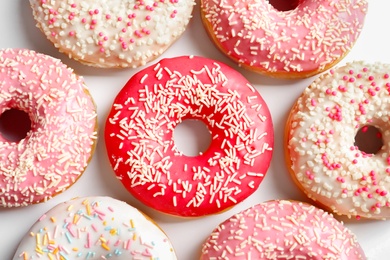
{"points": [[94, 228], [139, 136], [298, 43], [59, 146], [122, 33], [282, 230], [320, 140]]}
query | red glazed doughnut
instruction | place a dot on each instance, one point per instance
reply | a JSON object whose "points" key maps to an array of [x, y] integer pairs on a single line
{"points": [[112, 34], [282, 230], [297, 43], [63, 135], [141, 149]]}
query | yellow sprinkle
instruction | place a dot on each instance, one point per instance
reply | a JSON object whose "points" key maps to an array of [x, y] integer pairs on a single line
{"points": [[51, 256], [89, 209], [131, 223], [134, 236], [104, 245], [55, 251], [75, 249], [70, 207], [25, 256], [52, 242], [113, 232], [45, 240], [38, 239], [53, 219], [76, 218]]}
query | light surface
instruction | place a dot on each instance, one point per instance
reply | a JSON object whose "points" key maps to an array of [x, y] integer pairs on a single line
{"points": [[17, 30]]}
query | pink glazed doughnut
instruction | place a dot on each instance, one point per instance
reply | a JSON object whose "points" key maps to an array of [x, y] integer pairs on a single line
{"points": [[321, 151], [297, 43], [112, 34], [140, 145], [282, 230], [63, 135]]}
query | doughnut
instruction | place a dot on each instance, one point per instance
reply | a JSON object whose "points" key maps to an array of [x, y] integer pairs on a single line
{"points": [[282, 229], [58, 147], [142, 152], [112, 34], [320, 147], [309, 38], [94, 228]]}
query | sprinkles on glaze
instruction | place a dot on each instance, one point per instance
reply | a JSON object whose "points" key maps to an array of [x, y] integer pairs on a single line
{"points": [[321, 148], [292, 44], [62, 138], [282, 230], [140, 145], [94, 228], [120, 33]]}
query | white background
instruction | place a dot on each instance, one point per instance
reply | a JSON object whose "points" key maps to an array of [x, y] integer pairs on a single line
{"points": [[17, 30]]}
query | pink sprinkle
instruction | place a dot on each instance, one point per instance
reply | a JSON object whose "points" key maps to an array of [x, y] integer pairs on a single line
{"points": [[96, 11], [358, 217], [313, 102], [386, 76], [72, 33], [148, 17], [365, 69], [73, 5], [102, 50], [370, 78], [119, 19], [354, 161], [369, 196], [351, 72], [84, 20], [108, 16]]}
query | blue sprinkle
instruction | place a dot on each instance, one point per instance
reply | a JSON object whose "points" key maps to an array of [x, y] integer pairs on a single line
{"points": [[68, 237]]}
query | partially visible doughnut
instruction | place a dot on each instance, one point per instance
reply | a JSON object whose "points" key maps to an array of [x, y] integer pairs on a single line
{"points": [[121, 33], [62, 139], [282, 230], [141, 149], [297, 43], [94, 228], [320, 140]]}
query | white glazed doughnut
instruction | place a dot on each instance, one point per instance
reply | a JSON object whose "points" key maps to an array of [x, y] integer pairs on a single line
{"points": [[94, 228], [320, 144], [297, 43], [121, 33], [282, 230], [63, 135]]}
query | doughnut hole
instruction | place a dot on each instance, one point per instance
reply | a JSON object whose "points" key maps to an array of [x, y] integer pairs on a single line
{"points": [[284, 5], [369, 139], [14, 124], [192, 137]]}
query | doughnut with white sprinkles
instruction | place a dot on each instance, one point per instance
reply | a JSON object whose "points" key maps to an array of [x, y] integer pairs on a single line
{"points": [[141, 149], [321, 152], [114, 33], [296, 43], [60, 144], [95, 228], [282, 230]]}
